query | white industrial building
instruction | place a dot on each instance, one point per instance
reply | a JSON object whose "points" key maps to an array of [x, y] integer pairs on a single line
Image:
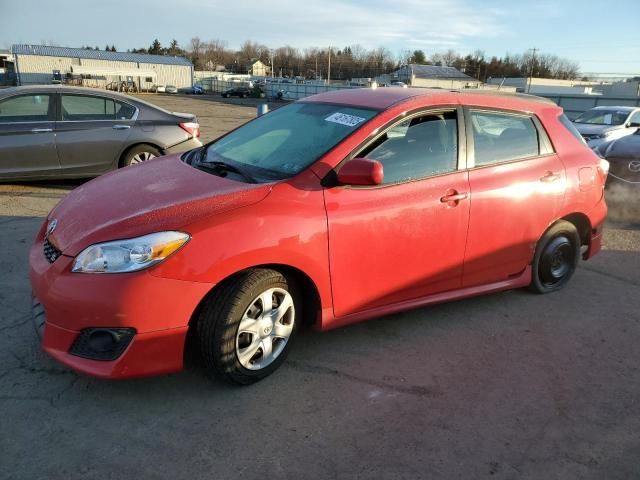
{"points": [[547, 86], [36, 64]]}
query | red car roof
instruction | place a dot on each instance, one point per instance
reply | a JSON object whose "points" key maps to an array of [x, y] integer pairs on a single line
{"points": [[384, 98]]}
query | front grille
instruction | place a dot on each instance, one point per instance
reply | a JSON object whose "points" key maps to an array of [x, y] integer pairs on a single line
{"points": [[50, 251]]}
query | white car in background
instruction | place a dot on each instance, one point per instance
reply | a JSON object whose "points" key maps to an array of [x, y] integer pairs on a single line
{"points": [[603, 124]]}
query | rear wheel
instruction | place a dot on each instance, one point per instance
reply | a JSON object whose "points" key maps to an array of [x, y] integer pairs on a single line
{"points": [[556, 258], [139, 154], [246, 327]]}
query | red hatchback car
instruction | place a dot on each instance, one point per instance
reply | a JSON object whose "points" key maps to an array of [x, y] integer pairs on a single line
{"points": [[337, 208]]}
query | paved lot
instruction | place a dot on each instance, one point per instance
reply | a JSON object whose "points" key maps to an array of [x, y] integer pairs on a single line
{"points": [[511, 385], [215, 114]]}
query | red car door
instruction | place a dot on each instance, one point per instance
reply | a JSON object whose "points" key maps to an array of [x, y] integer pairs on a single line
{"points": [[517, 187], [401, 240]]}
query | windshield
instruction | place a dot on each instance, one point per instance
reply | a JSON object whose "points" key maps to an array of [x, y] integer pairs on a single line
{"points": [[603, 117], [284, 142]]}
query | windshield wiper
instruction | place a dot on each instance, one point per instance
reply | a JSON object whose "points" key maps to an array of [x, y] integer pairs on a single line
{"points": [[218, 166]]}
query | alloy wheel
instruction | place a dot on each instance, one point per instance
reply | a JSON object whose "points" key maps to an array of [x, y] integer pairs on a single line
{"points": [[141, 157], [265, 329]]}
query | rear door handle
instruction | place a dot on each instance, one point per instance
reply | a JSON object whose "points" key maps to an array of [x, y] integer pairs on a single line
{"points": [[41, 130], [453, 196], [549, 177], [121, 127]]}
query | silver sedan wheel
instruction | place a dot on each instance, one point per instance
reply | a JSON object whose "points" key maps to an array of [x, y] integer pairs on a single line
{"points": [[142, 157], [265, 329]]}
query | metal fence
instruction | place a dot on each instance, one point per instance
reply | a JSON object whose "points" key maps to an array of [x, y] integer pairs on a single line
{"points": [[296, 91], [215, 85], [574, 105]]}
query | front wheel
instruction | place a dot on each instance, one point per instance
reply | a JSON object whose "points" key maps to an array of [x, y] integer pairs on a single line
{"points": [[245, 328], [556, 258]]}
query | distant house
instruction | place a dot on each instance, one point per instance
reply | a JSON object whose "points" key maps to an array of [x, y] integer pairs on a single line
{"points": [[214, 67], [256, 68], [433, 77]]}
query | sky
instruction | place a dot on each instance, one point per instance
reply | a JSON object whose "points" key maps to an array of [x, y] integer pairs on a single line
{"points": [[603, 37]]}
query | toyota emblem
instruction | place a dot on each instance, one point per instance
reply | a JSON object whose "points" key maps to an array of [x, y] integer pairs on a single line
{"points": [[51, 227], [634, 166]]}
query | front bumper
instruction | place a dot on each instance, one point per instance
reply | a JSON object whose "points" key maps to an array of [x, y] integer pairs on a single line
{"points": [[67, 303]]}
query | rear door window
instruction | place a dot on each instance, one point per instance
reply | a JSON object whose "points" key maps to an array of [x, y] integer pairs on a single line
{"points": [[25, 108], [87, 108], [501, 137]]}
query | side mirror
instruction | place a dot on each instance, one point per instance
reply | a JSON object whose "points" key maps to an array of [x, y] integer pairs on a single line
{"points": [[361, 171], [633, 124]]}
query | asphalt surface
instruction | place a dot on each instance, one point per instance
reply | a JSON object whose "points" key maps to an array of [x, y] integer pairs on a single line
{"points": [[511, 385]]}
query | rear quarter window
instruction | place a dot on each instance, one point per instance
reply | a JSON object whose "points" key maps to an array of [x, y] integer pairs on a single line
{"points": [[568, 124]]}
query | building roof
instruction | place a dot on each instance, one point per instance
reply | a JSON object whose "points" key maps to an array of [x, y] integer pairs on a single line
{"points": [[47, 51], [438, 73]]}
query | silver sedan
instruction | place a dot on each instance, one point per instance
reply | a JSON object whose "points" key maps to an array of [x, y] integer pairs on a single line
{"points": [[52, 131]]}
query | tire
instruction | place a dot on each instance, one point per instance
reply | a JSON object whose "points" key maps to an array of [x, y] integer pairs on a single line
{"points": [[556, 258], [138, 154], [238, 356]]}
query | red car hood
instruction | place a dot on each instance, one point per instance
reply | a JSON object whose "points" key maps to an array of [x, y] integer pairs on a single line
{"points": [[163, 194]]}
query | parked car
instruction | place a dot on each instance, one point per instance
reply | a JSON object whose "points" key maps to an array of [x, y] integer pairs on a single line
{"points": [[171, 89], [69, 132], [56, 78], [161, 89], [603, 124], [623, 154], [241, 92], [314, 214], [197, 89]]}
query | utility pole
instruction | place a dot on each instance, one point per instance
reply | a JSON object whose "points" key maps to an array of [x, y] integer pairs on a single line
{"points": [[329, 68], [316, 65], [272, 53], [532, 62]]}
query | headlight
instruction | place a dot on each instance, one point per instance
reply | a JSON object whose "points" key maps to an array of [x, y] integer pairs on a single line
{"points": [[129, 255], [606, 134]]}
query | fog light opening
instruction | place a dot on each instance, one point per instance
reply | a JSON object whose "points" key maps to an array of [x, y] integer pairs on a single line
{"points": [[102, 343], [102, 340]]}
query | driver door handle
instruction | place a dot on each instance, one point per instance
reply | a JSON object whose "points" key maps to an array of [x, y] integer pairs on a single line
{"points": [[41, 130], [453, 196], [121, 127]]}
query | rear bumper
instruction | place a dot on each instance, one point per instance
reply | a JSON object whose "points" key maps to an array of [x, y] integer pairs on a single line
{"points": [[597, 219], [184, 146]]}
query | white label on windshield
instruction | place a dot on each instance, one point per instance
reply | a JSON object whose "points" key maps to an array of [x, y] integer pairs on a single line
{"points": [[344, 119]]}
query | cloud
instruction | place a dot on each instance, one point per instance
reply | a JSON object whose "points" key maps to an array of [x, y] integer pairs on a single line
{"points": [[398, 24], [412, 23]]}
